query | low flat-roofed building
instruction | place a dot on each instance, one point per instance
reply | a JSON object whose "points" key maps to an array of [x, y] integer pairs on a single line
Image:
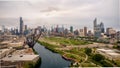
{"points": [[109, 53], [15, 44], [24, 58], [5, 42], [5, 52]]}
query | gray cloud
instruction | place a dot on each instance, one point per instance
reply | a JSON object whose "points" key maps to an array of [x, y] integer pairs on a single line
{"points": [[78, 13]]}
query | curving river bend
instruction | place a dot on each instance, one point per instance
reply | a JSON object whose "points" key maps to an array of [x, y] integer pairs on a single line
{"points": [[50, 59]]}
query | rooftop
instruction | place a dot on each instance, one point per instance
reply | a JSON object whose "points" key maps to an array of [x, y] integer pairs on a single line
{"points": [[20, 58], [3, 50]]}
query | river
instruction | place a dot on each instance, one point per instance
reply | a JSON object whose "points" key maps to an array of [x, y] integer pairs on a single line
{"points": [[50, 59]]}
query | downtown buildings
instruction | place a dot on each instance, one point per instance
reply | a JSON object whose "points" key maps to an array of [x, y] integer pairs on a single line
{"points": [[98, 28], [23, 30]]}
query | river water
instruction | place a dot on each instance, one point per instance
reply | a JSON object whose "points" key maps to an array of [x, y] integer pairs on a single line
{"points": [[50, 59]]}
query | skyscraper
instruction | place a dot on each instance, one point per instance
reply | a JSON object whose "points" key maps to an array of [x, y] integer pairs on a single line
{"points": [[3, 28], [71, 29], [85, 31], [102, 27], [98, 28], [25, 27], [95, 26], [81, 32], [21, 26]]}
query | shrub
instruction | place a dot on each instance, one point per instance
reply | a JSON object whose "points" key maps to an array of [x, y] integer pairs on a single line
{"points": [[88, 51], [106, 63], [98, 57]]}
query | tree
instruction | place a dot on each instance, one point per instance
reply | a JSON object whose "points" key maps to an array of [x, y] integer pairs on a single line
{"points": [[98, 57], [88, 51]]}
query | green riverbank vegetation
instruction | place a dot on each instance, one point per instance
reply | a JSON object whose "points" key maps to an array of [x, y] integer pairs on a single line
{"points": [[70, 50]]}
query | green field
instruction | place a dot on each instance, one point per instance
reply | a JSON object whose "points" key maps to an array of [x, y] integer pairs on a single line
{"points": [[67, 41], [80, 57]]}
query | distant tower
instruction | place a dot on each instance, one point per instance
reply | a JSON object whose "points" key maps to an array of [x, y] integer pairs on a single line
{"points": [[85, 31], [98, 28], [95, 25], [57, 29], [21, 26], [3, 28], [95, 22], [71, 29], [25, 27], [62, 28], [102, 27]]}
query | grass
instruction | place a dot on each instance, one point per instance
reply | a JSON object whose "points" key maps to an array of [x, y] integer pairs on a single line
{"points": [[74, 53], [29, 65], [34, 51], [77, 54], [32, 64], [106, 63], [88, 65], [67, 41], [117, 62], [51, 47]]}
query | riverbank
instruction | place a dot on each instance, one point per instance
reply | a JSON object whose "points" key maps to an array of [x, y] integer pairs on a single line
{"points": [[78, 54], [64, 55], [38, 63], [33, 64], [50, 59], [51, 47], [72, 53]]}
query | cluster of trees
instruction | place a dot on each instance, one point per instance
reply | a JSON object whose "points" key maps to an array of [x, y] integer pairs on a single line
{"points": [[98, 58], [88, 51]]}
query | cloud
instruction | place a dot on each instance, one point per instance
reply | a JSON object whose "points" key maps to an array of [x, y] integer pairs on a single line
{"points": [[78, 13]]}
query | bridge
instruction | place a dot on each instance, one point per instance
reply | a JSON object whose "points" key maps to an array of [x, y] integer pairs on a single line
{"points": [[33, 37]]}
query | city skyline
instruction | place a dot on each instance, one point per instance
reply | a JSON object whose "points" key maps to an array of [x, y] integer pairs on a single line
{"points": [[76, 13], [59, 33]]}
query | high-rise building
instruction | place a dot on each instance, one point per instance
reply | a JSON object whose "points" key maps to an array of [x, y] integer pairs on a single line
{"points": [[110, 31], [81, 33], [118, 35], [71, 29], [21, 26], [98, 28], [3, 28], [57, 28], [66, 31], [107, 30], [85, 31], [16, 31], [90, 33], [76, 32], [95, 23], [102, 27], [62, 29], [25, 27]]}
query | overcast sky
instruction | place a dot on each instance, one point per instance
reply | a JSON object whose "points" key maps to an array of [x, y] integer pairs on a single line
{"points": [[78, 13]]}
